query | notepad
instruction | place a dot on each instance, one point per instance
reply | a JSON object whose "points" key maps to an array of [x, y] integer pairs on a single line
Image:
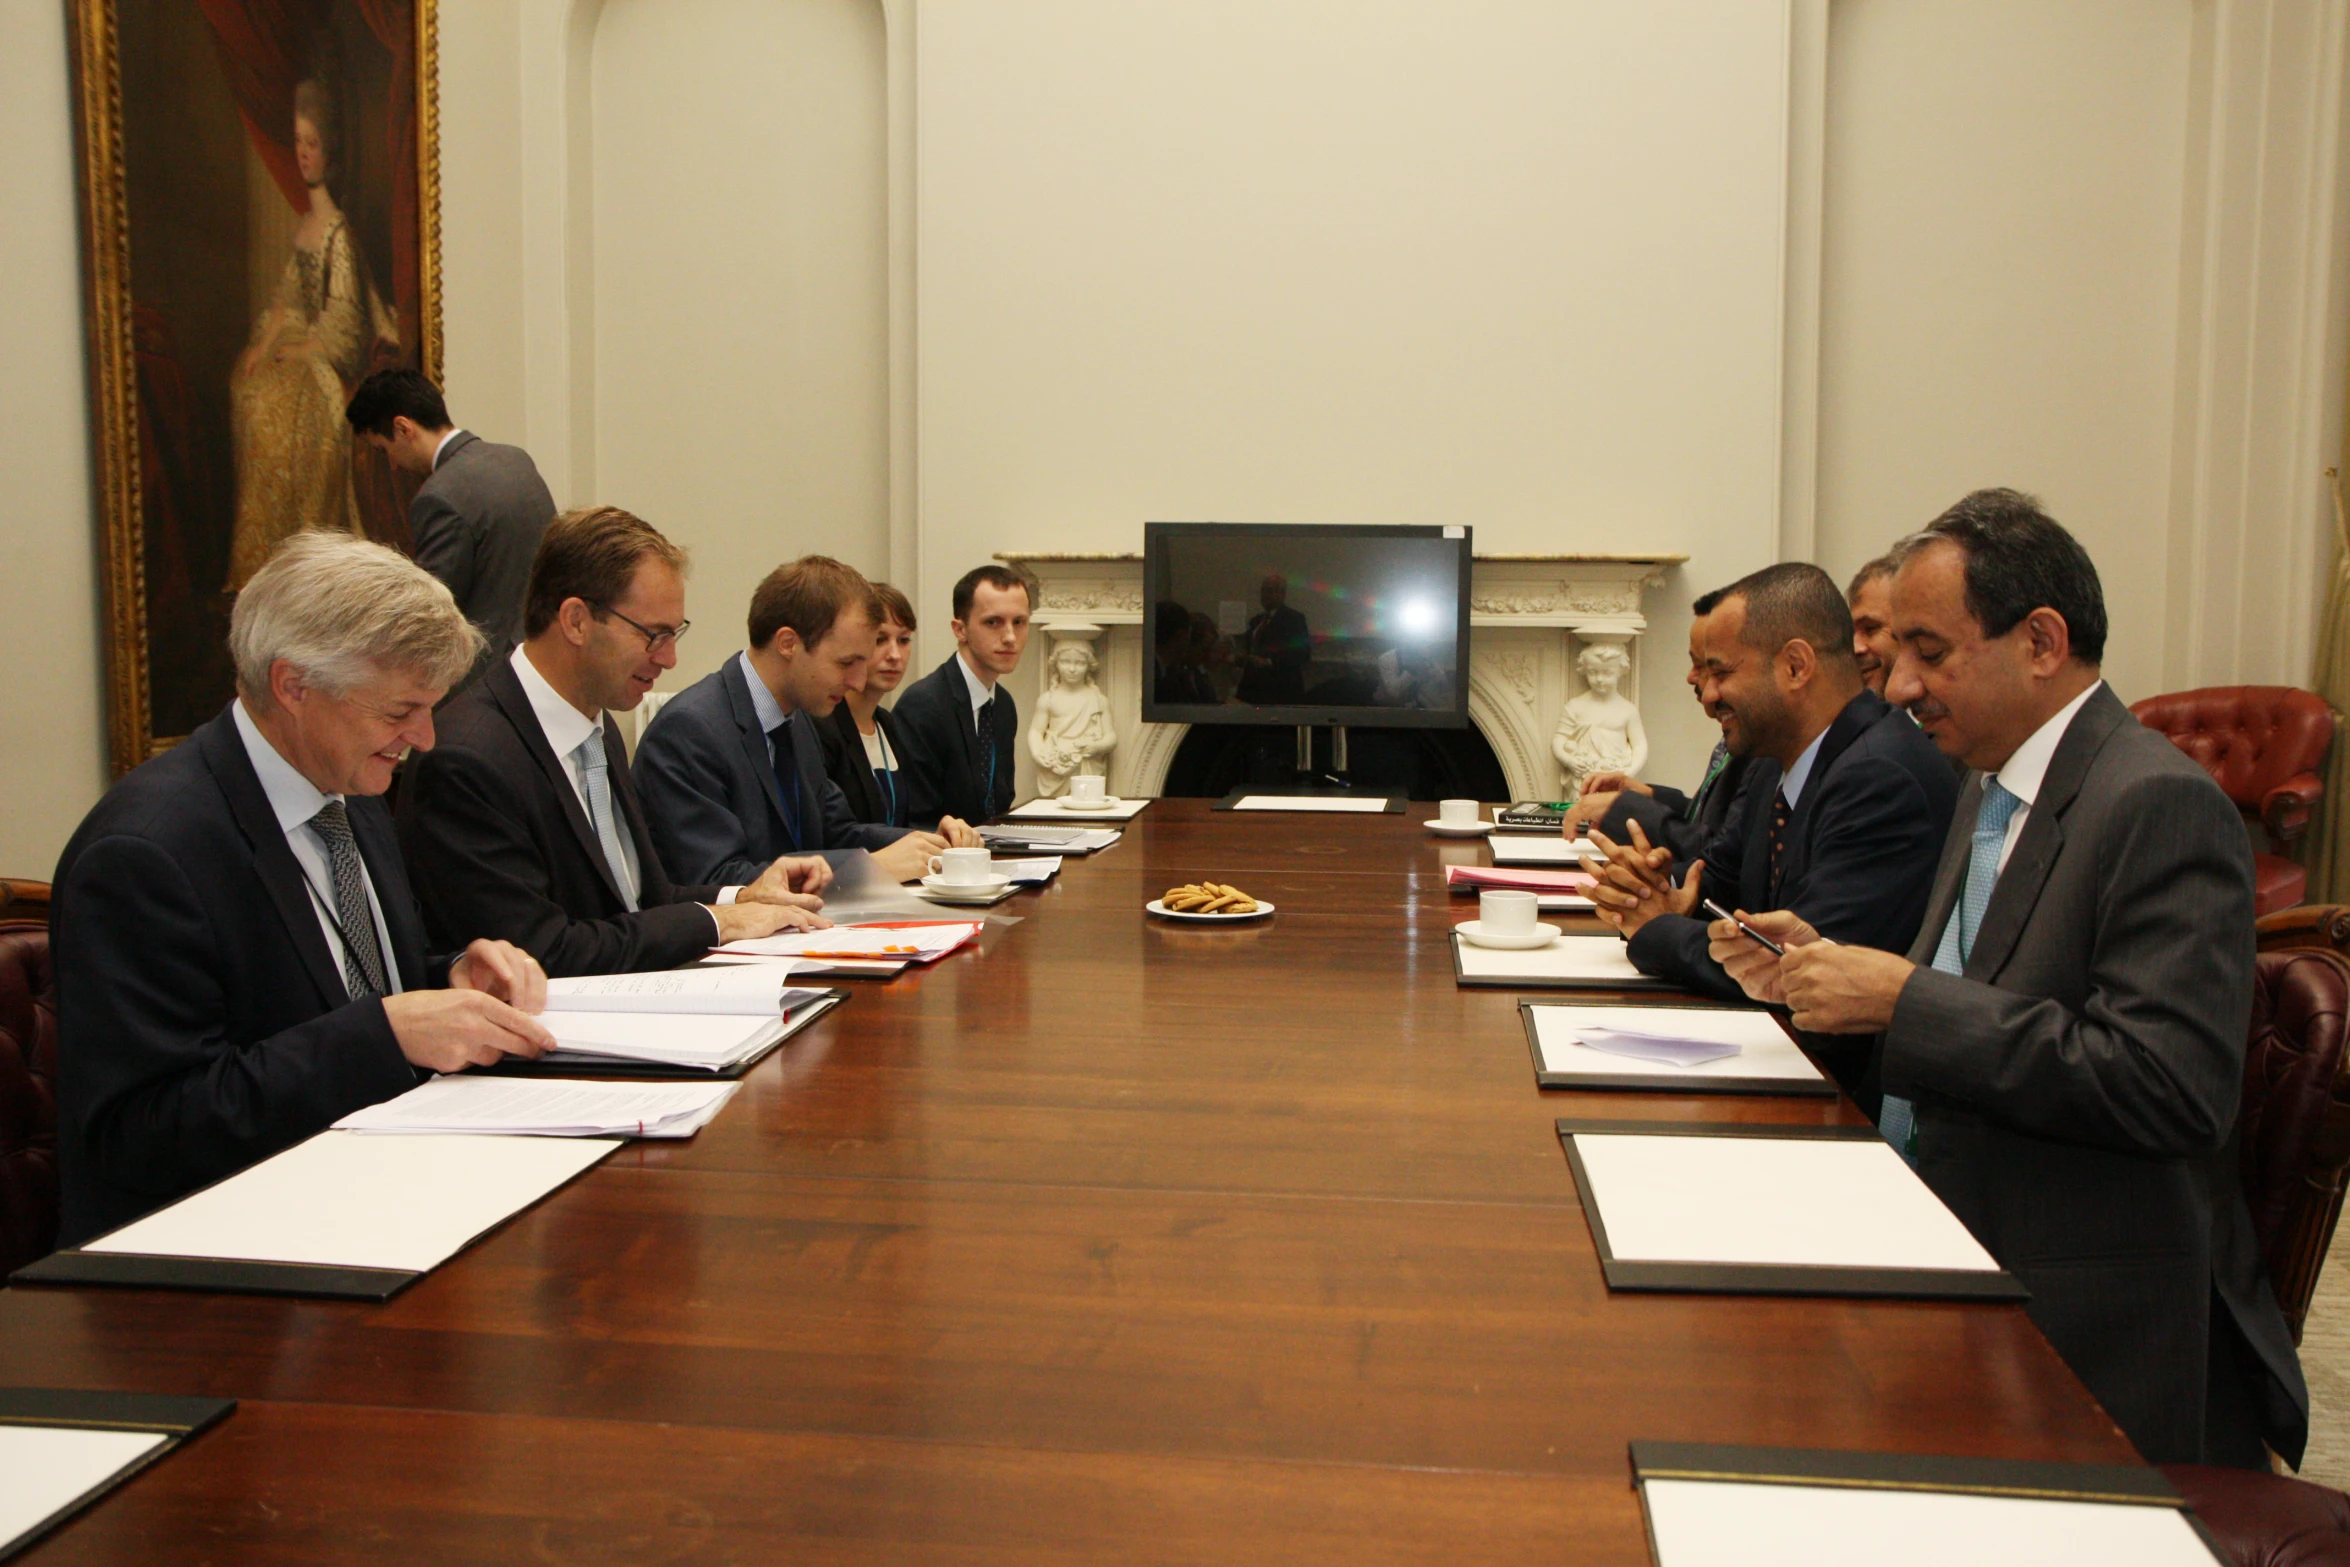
{"points": [[1060, 840], [1029, 872], [736, 991], [1571, 962], [1310, 802], [344, 1200], [52, 1470], [1532, 850], [544, 1107], [1769, 1201], [909, 942], [1700, 1523], [1054, 811], [1765, 1057]]}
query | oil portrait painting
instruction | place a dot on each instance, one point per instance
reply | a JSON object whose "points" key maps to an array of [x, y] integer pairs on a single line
{"points": [[258, 198]]}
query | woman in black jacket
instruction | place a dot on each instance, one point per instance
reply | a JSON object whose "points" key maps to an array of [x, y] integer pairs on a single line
{"points": [[860, 738]]}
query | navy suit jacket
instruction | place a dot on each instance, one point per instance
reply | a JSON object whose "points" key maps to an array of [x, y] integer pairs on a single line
{"points": [[1682, 823], [203, 1024], [1858, 858], [714, 803], [845, 765], [946, 773], [502, 846]]}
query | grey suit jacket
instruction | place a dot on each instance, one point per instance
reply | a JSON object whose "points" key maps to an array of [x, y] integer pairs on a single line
{"points": [[2076, 1089], [476, 524]]}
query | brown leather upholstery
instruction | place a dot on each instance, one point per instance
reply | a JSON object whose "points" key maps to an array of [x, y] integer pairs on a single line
{"points": [[2294, 1124], [2265, 1520], [2266, 747], [28, 1094], [2310, 925]]}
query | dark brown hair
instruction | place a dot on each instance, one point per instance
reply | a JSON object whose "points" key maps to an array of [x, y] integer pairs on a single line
{"points": [[808, 595], [590, 554], [894, 606], [1002, 578]]}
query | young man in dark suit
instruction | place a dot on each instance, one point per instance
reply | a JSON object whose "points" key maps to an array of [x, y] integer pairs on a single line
{"points": [[476, 520], [1840, 819], [2062, 1048], [239, 959], [958, 722], [1683, 823], [524, 823], [732, 767]]}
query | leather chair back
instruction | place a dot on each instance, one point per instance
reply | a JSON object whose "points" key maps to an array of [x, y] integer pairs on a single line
{"points": [[2253, 740], [28, 1094], [2294, 1126]]}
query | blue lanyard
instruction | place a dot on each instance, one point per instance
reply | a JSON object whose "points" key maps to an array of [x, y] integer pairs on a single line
{"points": [[889, 784]]}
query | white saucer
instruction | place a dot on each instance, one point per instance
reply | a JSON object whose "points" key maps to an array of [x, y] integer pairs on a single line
{"points": [[1460, 829], [1540, 936], [1159, 907], [1108, 802], [962, 891]]}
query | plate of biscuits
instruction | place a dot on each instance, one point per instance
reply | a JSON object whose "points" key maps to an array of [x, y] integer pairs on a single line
{"points": [[1211, 902]]}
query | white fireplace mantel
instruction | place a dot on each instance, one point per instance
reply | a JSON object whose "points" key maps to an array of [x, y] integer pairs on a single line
{"points": [[1529, 617]]}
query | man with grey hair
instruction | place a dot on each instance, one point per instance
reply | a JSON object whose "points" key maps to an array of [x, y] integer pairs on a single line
{"points": [[240, 961], [1870, 598]]}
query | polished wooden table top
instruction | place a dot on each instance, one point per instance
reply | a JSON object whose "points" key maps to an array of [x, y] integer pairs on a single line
{"points": [[1117, 1241]]}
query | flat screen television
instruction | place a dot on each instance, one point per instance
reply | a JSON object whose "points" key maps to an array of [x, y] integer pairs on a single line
{"points": [[1292, 623]]}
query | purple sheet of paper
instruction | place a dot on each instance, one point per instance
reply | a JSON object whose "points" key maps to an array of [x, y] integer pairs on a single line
{"points": [[1671, 1049]]}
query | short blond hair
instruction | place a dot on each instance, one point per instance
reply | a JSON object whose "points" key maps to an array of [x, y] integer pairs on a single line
{"points": [[342, 610]]}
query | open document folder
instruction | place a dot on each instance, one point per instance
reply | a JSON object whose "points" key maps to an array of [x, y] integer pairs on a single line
{"points": [[694, 1020], [906, 941], [1720, 1050], [750, 992], [545, 1107]]}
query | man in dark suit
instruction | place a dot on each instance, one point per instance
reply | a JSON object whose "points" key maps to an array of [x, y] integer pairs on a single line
{"points": [[1683, 823], [1276, 648], [2062, 1048], [239, 959], [1870, 596], [475, 522], [523, 823], [732, 768], [958, 721], [1840, 819]]}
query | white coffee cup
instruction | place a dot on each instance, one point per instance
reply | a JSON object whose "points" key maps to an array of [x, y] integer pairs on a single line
{"points": [[1503, 911], [964, 867], [1089, 789], [1458, 813]]}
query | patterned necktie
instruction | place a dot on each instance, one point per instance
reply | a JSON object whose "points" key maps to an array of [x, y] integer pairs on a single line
{"points": [[1713, 770], [363, 958], [1898, 1120], [595, 776], [984, 722], [1781, 812]]}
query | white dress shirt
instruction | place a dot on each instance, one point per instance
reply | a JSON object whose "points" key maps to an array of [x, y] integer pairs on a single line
{"points": [[2024, 771], [294, 800], [565, 727], [981, 692], [442, 450]]}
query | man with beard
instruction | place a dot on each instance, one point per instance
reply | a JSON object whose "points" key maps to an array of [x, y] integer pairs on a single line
{"points": [[1840, 818], [1681, 822]]}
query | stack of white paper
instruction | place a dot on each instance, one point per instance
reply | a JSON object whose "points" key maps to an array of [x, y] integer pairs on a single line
{"points": [[1068, 840], [1597, 961], [544, 1107], [1762, 1046], [1311, 802], [895, 943], [1705, 1523], [1055, 811], [746, 992], [702, 1041], [346, 1201], [1538, 850], [1032, 872]]}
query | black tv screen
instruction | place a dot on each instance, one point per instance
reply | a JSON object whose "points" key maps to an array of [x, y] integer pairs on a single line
{"points": [[1274, 623]]}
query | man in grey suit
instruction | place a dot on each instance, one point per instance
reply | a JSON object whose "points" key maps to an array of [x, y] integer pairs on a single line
{"points": [[2062, 1049], [476, 522]]}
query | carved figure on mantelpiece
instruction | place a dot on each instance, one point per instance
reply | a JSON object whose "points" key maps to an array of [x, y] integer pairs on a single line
{"points": [[1599, 729], [1071, 732]]}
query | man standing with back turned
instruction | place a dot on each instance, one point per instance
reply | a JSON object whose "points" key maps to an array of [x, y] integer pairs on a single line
{"points": [[2063, 1047], [958, 721], [476, 522]]}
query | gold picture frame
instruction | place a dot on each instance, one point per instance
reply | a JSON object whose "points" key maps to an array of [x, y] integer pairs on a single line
{"points": [[182, 200]]}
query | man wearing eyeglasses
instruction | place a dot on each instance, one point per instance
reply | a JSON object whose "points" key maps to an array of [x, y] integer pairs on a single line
{"points": [[523, 823]]}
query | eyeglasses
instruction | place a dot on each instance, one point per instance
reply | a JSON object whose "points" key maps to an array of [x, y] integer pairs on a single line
{"points": [[655, 641]]}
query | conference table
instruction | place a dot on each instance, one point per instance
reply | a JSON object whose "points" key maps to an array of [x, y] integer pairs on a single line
{"points": [[1111, 1240]]}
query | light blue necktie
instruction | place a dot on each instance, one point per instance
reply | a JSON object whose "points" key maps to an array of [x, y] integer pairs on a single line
{"points": [[1897, 1120], [596, 783]]}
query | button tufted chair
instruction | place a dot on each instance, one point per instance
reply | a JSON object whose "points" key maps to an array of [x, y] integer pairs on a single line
{"points": [[2266, 746], [28, 1077], [2262, 1520]]}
